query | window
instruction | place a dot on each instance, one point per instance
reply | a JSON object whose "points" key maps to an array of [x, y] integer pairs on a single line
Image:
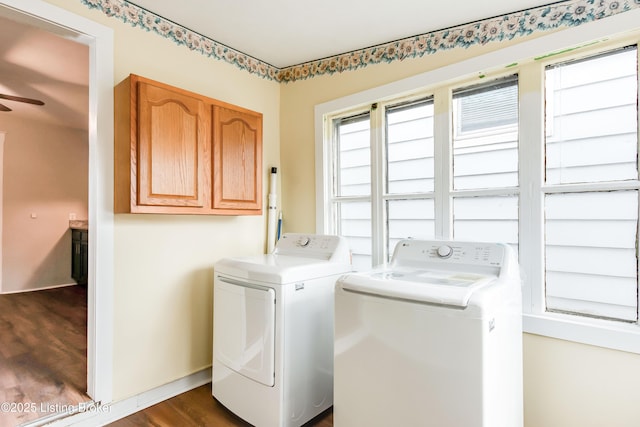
{"points": [[385, 184], [352, 185], [485, 162], [409, 190], [591, 214], [406, 201], [545, 159]]}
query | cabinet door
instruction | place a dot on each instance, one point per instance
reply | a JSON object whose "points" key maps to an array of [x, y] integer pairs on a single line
{"points": [[79, 256], [237, 158], [76, 260], [172, 148]]}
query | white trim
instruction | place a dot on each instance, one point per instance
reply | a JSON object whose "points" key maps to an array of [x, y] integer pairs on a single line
{"points": [[591, 186], [322, 164], [638, 161], [100, 284], [596, 332], [377, 140], [442, 155], [530, 158], [97, 415]]}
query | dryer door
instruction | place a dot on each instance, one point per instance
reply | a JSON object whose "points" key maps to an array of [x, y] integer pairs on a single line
{"points": [[244, 328]]}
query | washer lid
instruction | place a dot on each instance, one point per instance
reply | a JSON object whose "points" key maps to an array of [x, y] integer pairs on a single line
{"points": [[430, 286], [279, 269]]}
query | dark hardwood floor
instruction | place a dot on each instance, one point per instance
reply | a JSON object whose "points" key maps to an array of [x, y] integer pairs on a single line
{"points": [[43, 353], [197, 408]]}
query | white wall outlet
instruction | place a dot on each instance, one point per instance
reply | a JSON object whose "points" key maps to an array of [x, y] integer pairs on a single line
{"points": [[72, 216]]}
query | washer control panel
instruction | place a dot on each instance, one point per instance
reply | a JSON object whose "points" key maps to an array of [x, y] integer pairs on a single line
{"points": [[450, 252]]}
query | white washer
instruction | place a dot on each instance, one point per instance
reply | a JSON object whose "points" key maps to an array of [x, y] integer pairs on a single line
{"points": [[273, 330], [434, 339]]}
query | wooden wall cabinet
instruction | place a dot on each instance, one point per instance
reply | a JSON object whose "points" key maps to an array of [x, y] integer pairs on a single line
{"points": [[178, 152]]}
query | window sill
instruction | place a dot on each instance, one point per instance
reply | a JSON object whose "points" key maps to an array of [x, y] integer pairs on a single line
{"points": [[601, 333]]}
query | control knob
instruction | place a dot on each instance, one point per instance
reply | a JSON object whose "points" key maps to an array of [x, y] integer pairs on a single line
{"points": [[444, 251], [303, 241]]}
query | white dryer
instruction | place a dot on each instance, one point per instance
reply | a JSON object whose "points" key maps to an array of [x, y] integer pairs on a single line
{"points": [[273, 330], [434, 339]]}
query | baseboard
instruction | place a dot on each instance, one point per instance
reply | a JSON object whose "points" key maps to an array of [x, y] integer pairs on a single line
{"points": [[91, 415], [44, 288]]}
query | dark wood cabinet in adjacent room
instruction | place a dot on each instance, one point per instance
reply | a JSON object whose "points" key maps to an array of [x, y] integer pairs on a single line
{"points": [[79, 255]]}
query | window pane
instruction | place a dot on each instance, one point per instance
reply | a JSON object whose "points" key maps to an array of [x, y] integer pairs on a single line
{"points": [[353, 156], [486, 219], [410, 147], [354, 222], [485, 143], [592, 119], [409, 218], [591, 264]]}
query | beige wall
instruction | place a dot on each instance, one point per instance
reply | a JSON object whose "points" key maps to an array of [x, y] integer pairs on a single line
{"points": [[574, 385], [566, 384], [45, 175], [163, 263]]}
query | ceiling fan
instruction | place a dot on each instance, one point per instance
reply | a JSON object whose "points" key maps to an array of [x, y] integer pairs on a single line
{"points": [[18, 99]]}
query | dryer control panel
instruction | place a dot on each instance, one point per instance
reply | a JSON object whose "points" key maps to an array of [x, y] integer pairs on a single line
{"points": [[312, 246]]}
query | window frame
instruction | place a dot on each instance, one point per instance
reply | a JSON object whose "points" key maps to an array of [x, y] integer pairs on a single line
{"points": [[530, 56]]}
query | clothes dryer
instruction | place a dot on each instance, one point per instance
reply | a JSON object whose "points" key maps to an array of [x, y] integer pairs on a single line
{"points": [[273, 330], [433, 339]]}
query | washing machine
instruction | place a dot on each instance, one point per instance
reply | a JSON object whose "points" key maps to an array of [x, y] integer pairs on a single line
{"points": [[273, 330], [432, 339]]}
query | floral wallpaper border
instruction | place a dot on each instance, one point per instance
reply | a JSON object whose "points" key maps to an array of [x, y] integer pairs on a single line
{"points": [[564, 14]]}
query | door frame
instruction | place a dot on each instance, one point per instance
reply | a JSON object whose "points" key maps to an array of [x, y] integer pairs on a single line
{"points": [[99, 39]]}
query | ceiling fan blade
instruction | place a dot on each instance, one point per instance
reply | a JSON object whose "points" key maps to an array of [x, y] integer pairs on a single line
{"points": [[4, 108], [21, 99]]}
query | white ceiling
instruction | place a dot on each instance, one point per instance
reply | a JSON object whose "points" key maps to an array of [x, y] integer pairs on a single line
{"points": [[289, 32], [35, 63]]}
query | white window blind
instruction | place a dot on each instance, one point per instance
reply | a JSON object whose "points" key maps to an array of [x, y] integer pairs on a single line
{"points": [[487, 106]]}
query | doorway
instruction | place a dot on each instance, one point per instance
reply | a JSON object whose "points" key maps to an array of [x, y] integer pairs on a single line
{"points": [[99, 39]]}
